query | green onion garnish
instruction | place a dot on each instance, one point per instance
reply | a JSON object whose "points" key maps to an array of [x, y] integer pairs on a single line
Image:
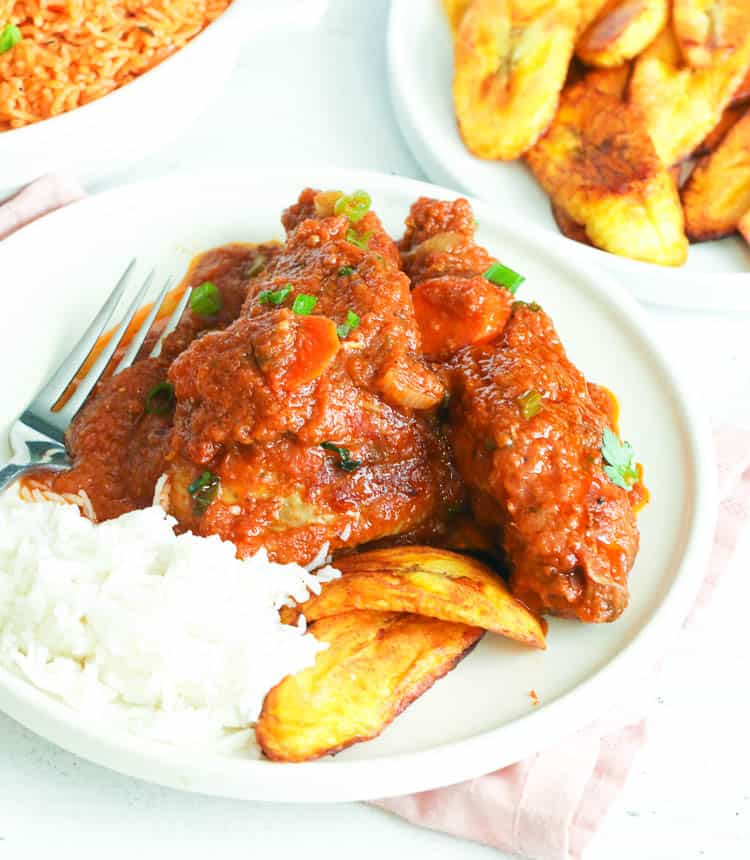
{"points": [[345, 461], [274, 297], [204, 490], [360, 241], [304, 304], [621, 468], [350, 323], [355, 206], [205, 300], [160, 399], [257, 266], [530, 403], [345, 271], [10, 36], [502, 276]]}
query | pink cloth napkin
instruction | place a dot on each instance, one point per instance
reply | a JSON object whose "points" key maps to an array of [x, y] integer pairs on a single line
{"points": [[44, 195], [548, 806]]}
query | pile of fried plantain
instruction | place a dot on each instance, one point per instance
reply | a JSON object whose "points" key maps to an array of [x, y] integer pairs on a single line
{"points": [[600, 168], [511, 59], [717, 195], [612, 136], [395, 622]]}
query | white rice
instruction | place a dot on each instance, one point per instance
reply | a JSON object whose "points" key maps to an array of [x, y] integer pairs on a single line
{"points": [[170, 637]]}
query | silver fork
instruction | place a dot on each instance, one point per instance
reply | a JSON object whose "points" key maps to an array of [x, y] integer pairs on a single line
{"points": [[38, 437]]}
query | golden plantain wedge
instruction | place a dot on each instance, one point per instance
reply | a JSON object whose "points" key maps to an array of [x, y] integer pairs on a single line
{"points": [[589, 11], [377, 664], [424, 581], [598, 165], [744, 227], [712, 140], [455, 9], [706, 28], [621, 30], [742, 93], [717, 194], [682, 105], [511, 59], [568, 227]]}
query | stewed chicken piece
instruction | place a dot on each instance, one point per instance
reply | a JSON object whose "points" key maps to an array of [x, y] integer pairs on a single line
{"points": [[526, 428], [307, 421]]}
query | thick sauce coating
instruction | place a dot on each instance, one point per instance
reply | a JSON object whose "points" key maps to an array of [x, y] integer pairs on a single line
{"points": [[269, 404], [350, 392], [568, 533]]}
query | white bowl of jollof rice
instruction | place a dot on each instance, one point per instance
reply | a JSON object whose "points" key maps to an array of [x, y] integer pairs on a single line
{"points": [[89, 85]]}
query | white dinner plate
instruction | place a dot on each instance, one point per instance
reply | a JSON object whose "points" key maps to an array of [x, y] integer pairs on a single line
{"points": [[480, 717], [420, 60]]}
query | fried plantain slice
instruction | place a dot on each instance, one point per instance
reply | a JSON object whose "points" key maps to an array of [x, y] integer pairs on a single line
{"points": [[511, 59], [598, 164], [455, 9], [712, 140], [717, 194], [621, 30], [570, 228], [744, 227], [424, 581], [706, 28], [742, 93], [589, 11], [682, 105], [377, 664]]}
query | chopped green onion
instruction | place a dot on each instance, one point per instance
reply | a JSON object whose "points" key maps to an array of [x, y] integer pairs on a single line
{"points": [[621, 467], [355, 206], [205, 300], [304, 304], [350, 323], [502, 276], [360, 241], [345, 271], [345, 461], [274, 297], [160, 399], [10, 36], [530, 403], [204, 490], [257, 266]]}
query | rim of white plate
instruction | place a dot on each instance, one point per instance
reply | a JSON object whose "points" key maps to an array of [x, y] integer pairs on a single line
{"points": [[331, 780], [688, 289]]}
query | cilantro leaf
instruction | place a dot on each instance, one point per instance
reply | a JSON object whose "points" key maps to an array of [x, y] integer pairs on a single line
{"points": [[620, 462]]}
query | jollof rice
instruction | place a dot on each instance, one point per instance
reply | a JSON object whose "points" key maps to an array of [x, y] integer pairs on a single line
{"points": [[75, 51]]}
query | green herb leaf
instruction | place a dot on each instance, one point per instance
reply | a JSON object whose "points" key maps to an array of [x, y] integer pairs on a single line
{"points": [[304, 304], [530, 403], [160, 399], [274, 297], [621, 467], [355, 206], [502, 276], [10, 36], [350, 323], [345, 271], [360, 241], [345, 461], [204, 490], [205, 300]]}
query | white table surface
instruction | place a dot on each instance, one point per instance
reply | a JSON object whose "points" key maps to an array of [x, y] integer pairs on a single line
{"points": [[318, 99]]}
